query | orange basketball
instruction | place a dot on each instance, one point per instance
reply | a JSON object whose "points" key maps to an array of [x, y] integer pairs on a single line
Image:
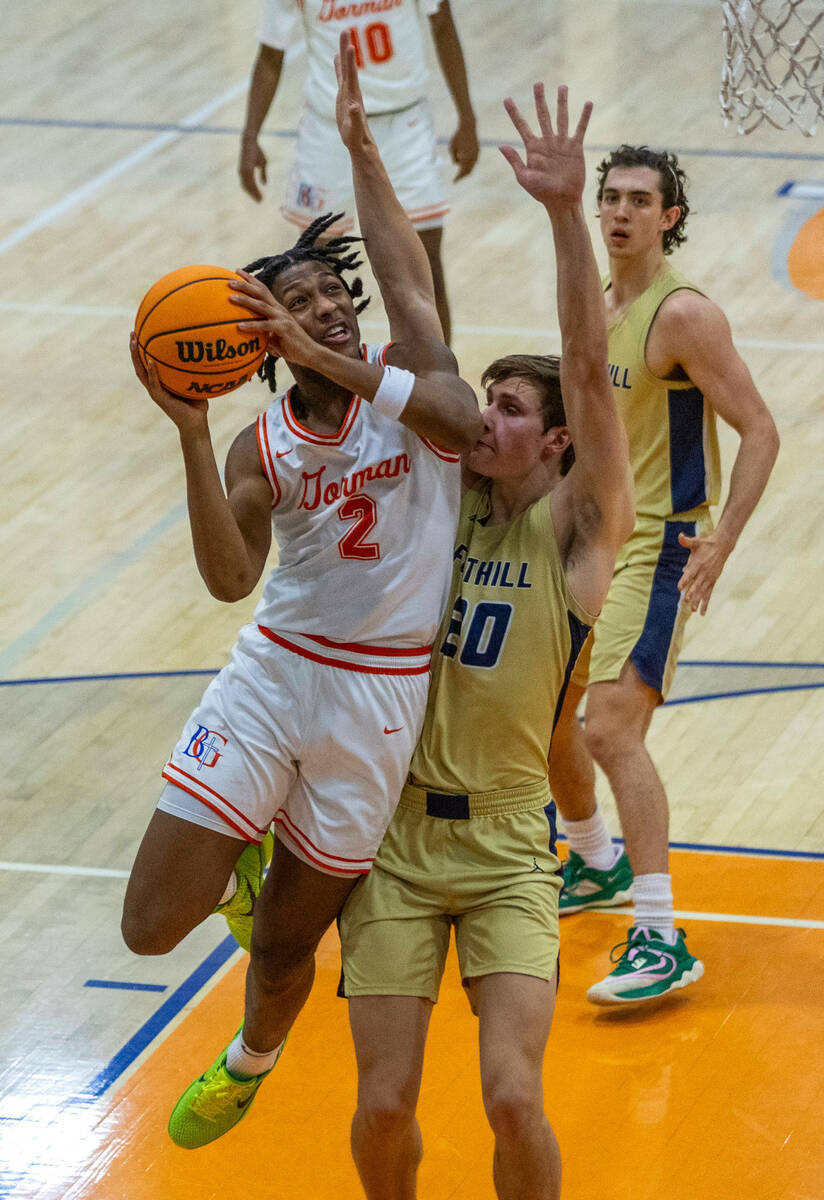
{"points": [[188, 327]]}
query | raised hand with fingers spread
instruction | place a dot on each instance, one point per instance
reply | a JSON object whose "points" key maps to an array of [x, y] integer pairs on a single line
{"points": [[554, 171]]}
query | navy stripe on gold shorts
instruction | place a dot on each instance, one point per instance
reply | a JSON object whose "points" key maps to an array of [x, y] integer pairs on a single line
{"points": [[643, 617]]}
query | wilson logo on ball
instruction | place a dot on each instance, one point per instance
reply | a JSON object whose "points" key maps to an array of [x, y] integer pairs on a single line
{"points": [[215, 351], [187, 326]]}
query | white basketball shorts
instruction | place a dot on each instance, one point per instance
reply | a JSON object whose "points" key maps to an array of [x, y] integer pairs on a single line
{"points": [[317, 742], [320, 180]]}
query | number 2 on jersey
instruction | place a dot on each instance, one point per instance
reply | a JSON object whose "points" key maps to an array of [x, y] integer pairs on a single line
{"points": [[364, 511], [378, 40], [484, 636]]}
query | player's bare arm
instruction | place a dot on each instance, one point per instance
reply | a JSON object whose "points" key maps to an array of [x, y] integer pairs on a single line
{"points": [[440, 406], [230, 535], [396, 254], [593, 505], [463, 145], [692, 336], [264, 83]]}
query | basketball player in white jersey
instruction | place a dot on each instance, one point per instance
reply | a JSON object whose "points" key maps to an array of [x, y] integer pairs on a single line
{"points": [[312, 723], [389, 41], [471, 843]]}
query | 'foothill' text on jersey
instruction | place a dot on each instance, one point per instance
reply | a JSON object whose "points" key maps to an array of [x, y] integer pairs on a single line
{"points": [[507, 644], [364, 520]]}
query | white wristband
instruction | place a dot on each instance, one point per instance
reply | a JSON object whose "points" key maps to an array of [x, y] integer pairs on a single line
{"points": [[393, 392]]}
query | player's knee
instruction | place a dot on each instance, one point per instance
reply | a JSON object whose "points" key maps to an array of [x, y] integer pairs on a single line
{"points": [[280, 956], [386, 1110], [150, 926], [607, 736], [144, 936], [513, 1109]]}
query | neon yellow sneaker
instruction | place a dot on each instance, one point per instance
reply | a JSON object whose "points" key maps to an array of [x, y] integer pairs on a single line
{"points": [[213, 1105], [249, 870]]}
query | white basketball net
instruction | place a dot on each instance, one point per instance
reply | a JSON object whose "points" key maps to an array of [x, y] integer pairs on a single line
{"points": [[773, 63]]}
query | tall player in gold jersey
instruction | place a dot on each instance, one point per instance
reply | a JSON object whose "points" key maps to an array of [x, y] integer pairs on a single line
{"points": [[471, 845], [673, 368]]}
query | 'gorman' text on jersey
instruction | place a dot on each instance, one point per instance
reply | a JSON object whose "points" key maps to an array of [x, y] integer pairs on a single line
{"points": [[507, 644], [364, 521]]}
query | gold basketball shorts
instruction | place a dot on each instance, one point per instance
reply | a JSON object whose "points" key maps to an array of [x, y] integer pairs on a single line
{"points": [[483, 864], [643, 618]]}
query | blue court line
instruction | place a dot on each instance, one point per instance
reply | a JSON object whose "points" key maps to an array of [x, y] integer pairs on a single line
{"points": [[489, 143], [126, 987], [684, 662], [720, 662], [752, 851], [137, 126], [168, 1010], [88, 589], [762, 691], [699, 699], [102, 678], [802, 189]]}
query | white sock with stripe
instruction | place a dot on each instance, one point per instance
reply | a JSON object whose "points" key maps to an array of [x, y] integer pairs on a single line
{"points": [[244, 1063], [590, 839], [652, 896]]}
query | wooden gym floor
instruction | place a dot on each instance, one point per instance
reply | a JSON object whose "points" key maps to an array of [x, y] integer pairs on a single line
{"points": [[119, 143]]}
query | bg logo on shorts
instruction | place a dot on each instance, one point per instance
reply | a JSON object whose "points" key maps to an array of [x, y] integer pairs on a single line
{"points": [[309, 197], [205, 751]]}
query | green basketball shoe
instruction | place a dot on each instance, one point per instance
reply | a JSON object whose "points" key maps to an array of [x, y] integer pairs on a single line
{"points": [[249, 870], [586, 887], [648, 968], [213, 1105]]}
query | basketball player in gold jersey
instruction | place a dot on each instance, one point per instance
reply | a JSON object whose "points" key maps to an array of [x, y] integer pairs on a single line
{"points": [[472, 844], [674, 369]]}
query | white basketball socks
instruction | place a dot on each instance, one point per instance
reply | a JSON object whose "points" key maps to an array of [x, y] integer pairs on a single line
{"points": [[652, 895], [231, 888], [590, 839], [243, 1063]]}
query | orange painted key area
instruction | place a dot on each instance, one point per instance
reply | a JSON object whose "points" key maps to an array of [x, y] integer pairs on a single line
{"points": [[714, 1093]]}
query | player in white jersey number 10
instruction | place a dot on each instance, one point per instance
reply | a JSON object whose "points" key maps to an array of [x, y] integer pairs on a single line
{"points": [[389, 37]]}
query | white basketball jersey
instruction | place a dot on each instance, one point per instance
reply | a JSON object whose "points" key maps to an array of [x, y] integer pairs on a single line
{"points": [[389, 45], [364, 520]]}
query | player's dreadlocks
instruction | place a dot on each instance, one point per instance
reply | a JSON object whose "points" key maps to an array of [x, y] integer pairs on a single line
{"points": [[334, 254]]}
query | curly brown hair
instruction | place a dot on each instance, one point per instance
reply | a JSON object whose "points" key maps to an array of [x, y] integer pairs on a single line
{"points": [[672, 182]]}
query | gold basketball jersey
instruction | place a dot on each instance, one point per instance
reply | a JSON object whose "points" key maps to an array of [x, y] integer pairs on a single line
{"points": [[673, 441], [506, 648]]}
